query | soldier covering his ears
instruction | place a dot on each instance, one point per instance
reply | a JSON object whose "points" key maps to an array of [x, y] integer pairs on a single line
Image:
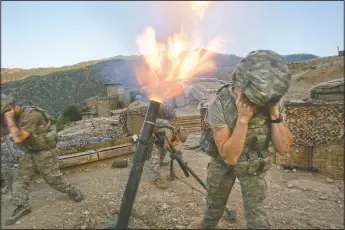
{"points": [[242, 119], [34, 133]]}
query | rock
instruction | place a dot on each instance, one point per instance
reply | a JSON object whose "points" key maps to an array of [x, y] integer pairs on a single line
{"points": [[86, 212], [329, 180], [38, 181], [278, 167], [164, 207], [84, 226], [290, 186], [286, 170], [18, 222], [294, 170], [323, 198]]}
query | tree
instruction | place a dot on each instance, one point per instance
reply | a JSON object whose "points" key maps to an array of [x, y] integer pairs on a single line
{"points": [[72, 113]]}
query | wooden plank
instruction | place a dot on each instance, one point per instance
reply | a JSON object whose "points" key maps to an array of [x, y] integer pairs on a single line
{"points": [[114, 147], [78, 160], [76, 154], [116, 152], [110, 143]]}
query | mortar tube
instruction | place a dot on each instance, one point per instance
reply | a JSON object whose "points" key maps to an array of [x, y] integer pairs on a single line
{"points": [[140, 157]]}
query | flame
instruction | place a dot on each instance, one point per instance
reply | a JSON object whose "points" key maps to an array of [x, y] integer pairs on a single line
{"points": [[200, 7], [169, 64]]}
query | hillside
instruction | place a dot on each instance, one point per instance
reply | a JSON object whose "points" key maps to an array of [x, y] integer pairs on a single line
{"points": [[299, 57], [16, 74], [223, 60], [55, 91], [312, 72]]}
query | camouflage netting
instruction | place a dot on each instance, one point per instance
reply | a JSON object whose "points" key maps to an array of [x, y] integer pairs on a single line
{"points": [[76, 138], [316, 125]]}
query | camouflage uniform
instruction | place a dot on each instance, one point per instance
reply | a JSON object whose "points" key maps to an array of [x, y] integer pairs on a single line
{"points": [[44, 162], [221, 178], [7, 165], [258, 77], [40, 157], [159, 152]]}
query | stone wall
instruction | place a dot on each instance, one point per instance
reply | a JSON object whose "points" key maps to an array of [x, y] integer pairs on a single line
{"points": [[318, 128]]}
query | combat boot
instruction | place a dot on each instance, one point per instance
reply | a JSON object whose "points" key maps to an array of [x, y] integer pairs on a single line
{"points": [[160, 183], [18, 213], [77, 196]]}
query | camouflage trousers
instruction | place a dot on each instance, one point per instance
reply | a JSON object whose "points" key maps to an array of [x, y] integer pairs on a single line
{"points": [[7, 174], [44, 163], [220, 181], [157, 157], [7, 164]]}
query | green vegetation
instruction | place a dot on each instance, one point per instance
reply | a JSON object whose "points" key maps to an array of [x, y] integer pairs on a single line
{"points": [[70, 114]]}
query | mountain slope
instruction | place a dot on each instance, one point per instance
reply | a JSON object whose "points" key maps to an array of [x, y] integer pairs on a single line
{"points": [[299, 57], [54, 92], [16, 74], [223, 60]]}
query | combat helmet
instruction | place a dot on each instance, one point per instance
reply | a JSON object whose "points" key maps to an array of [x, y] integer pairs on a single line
{"points": [[263, 76], [7, 102]]}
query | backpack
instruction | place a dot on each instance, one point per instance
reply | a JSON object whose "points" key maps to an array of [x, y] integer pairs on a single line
{"points": [[207, 142], [48, 138]]}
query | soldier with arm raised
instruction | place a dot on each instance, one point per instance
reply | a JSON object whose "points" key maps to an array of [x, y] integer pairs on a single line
{"points": [[32, 130], [242, 119]]}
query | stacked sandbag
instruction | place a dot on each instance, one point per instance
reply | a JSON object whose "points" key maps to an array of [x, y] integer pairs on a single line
{"points": [[93, 130], [136, 114]]}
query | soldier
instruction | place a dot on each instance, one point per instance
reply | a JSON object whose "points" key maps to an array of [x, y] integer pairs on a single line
{"points": [[33, 132], [176, 136], [243, 118]]}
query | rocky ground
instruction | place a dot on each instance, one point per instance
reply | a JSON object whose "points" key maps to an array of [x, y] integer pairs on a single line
{"points": [[318, 70], [296, 200]]}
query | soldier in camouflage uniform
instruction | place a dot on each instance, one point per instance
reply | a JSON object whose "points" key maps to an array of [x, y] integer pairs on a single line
{"points": [[159, 150], [33, 132], [243, 118]]}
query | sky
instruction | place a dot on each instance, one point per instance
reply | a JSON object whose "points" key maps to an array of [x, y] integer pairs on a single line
{"points": [[51, 34]]}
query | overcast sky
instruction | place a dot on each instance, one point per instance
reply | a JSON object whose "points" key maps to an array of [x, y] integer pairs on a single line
{"points": [[46, 34]]}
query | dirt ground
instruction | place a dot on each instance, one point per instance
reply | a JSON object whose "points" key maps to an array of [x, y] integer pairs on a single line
{"points": [[296, 200]]}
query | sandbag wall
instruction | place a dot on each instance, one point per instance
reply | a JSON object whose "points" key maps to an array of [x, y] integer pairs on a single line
{"points": [[190, 123], [318, 131]]}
